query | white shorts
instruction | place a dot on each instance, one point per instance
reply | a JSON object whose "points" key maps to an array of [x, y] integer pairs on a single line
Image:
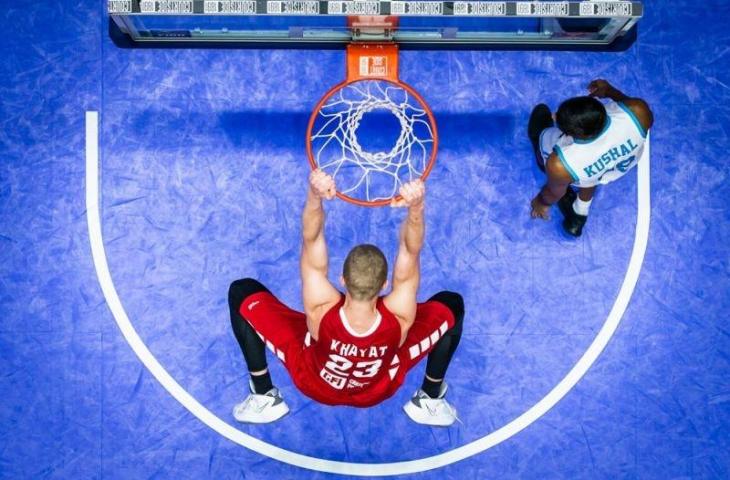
{"points": [[548, 139]]}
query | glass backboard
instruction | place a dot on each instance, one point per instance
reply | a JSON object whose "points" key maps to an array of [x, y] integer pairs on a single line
{"points": [[426, 24]]}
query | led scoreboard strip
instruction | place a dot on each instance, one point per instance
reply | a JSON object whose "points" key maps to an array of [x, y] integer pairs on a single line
{"points": [[599, 9]]}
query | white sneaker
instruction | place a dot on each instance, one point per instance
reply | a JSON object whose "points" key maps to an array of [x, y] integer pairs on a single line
{"points": [[425, 410], [257, 408]]}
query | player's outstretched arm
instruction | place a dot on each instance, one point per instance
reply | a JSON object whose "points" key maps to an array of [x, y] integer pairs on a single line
{"points": [[558, 180], [406, 271], [602, 89], [318, 294]]}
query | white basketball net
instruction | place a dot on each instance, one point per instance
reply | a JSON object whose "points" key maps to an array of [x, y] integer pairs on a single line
{"points": [[371, 175]]}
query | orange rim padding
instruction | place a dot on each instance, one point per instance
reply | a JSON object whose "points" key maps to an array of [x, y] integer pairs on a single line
{"points": [[372, 61]]}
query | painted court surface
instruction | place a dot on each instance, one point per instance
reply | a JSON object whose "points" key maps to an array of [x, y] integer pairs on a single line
{"points": [[202, 176]]}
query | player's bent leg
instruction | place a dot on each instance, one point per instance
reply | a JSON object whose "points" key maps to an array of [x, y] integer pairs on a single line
{"points": [[264, 404], [440, 356], [429, 406], [252, 347]]}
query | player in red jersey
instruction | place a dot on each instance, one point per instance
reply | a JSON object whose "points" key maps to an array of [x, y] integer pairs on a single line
{"points": [[353, 348]]}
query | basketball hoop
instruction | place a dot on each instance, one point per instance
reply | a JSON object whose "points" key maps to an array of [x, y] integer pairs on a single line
{"points": [[397, 140]]}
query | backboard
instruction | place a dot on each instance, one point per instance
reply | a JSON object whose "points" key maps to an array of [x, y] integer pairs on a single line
{"points": [[602, 25]]}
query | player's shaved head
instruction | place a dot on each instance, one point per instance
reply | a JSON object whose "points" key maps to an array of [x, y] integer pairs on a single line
{"points": [[582, 117], [365, 272]]}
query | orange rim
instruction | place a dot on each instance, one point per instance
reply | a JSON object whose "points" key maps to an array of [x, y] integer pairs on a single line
{"points": [[406, 87]]}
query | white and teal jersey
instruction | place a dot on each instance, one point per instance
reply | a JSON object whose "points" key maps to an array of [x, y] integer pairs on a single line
{"points": [[602, 160]]}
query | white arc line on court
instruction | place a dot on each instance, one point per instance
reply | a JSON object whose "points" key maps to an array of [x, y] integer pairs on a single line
{"points": [[365, 469]]}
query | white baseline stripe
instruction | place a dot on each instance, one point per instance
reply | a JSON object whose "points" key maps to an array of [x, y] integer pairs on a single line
{"points": [[364, 469], [131, 335]]}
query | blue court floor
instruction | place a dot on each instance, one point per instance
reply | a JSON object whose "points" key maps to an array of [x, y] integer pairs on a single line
{"points": [[202, 175]]}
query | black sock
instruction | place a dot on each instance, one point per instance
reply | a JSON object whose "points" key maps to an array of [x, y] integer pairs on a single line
{"points": [[431, 387], [261, 383]]}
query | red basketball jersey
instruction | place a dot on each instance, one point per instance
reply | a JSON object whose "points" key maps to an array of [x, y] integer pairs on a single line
{"points": [[344, 367], [353, 368]]}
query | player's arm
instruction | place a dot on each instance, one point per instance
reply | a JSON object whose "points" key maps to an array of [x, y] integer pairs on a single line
{"points": [[318, 294], [558, 180], [602, 89], [406, 271]]}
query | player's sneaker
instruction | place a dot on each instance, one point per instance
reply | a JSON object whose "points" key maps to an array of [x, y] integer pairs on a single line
{"points": [[257, 408], [573, 223], [540, 119], [425, 410]]}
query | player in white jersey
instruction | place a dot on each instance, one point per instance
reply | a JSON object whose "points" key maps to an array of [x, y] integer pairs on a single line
{"points": [[593, 144]]}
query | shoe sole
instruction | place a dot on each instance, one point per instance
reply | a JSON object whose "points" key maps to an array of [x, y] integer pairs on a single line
{"points": [[416, 414], [535, 136], [280, 412], [549, 121]]}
